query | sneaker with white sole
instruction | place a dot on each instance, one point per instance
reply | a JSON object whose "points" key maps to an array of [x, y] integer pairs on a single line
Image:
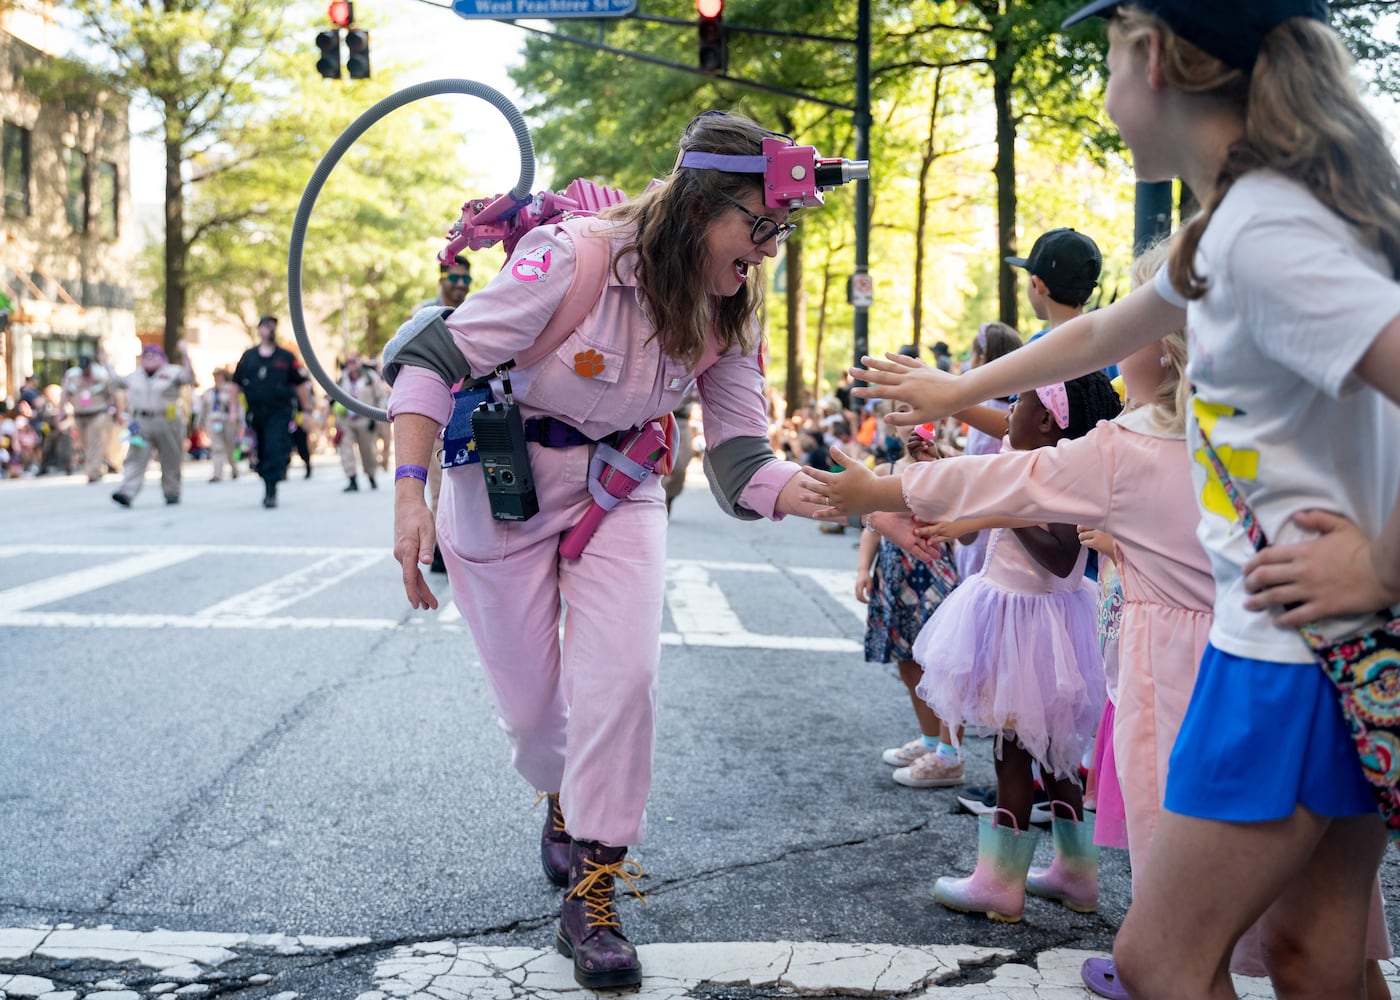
{"points": [[930, 771], [907, 754]]}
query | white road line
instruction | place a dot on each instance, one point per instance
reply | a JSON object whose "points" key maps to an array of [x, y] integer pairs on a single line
{"points": [[839, 585], [699, 607], [76, 619], [459, 970], [276, 594], [703, 616], [65, 585]]}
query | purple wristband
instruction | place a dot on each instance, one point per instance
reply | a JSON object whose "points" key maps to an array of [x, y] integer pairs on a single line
{"points": [[410, 472]]}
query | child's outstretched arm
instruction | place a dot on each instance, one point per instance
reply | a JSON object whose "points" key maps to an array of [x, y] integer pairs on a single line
{"points": [[855, 490], [1341, 572], [1088, 342]]}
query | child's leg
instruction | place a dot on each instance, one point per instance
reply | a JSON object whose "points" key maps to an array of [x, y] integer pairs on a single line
{"points": [[1015, 782], [1206, 881], [929, 724], [1313, 944], [1067, 790]]}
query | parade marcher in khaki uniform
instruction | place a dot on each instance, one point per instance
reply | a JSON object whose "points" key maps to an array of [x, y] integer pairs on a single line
{"points": [[356, 430], [87, 389], [453, 284], [220, 416], [153, 400]]}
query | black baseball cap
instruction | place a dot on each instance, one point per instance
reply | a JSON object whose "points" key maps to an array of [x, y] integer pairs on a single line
{"points": [[1067, 261], [1232, 32]]}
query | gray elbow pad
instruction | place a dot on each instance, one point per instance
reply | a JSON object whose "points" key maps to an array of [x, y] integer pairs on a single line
{"points": [[425, 342], [729, 468]]}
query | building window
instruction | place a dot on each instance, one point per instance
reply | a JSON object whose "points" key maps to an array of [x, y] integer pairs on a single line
{"points": [[76, 200], [107, 200], [15, 153]]}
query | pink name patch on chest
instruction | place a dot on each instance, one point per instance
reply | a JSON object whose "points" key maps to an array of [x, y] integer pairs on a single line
{"points": [[534, 266]]}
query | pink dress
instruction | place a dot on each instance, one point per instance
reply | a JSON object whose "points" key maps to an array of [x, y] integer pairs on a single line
{"points": [[1130, 480], [1015, 649]]}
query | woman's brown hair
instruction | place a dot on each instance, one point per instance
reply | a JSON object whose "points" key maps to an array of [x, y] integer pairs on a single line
{"points": [[670, 222], [1303, 119]]}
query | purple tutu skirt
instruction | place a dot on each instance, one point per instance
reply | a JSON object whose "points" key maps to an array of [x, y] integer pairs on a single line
{"points": [[1003, 662]]}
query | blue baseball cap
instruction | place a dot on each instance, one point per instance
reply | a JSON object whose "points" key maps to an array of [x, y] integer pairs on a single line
{"points": [[1232, 32]]}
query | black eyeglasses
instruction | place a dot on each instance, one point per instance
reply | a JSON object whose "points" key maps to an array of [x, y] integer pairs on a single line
{"points": [[457, 279], [764, 228]]}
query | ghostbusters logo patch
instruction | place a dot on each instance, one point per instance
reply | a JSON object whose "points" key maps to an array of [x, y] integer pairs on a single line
{"points": [[533, 266]]}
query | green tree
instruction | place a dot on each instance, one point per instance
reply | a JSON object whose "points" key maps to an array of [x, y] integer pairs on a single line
{"points": [[378, 223], [200, 65]]}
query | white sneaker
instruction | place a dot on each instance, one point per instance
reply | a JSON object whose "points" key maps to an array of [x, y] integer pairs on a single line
{"points": [[930, 771], [907, 754]]}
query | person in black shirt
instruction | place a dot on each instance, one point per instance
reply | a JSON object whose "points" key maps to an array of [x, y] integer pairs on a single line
{"points": [[270, 377]]}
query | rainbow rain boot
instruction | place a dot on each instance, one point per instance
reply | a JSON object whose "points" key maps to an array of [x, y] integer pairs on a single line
{"points": [[997, 887], [1073, 876]]}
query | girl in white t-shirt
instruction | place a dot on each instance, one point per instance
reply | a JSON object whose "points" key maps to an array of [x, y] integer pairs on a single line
{"points": [[1286, 285]]}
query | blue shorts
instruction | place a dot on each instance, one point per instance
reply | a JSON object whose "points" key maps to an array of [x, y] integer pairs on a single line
{"points": [[1261, 738]]}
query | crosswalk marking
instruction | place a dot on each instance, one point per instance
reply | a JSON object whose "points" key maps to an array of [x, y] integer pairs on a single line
{"points": [[81, 581], [262, 600], [700, 609]]}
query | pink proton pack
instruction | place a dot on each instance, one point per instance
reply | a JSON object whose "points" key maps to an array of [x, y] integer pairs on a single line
{"points": [[505, 219]]}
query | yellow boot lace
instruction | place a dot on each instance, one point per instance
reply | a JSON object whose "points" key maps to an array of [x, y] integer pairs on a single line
{"points": [[555, 810], [596, 890]]}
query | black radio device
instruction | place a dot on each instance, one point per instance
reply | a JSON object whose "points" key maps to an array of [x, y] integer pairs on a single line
{"points": [[505, 461]]}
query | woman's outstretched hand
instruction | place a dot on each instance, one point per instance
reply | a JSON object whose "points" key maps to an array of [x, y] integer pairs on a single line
{"points": [[932, 393], [839, 495], [1329, 576]]}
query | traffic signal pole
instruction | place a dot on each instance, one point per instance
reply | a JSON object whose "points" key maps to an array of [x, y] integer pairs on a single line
{"points": [[861, 328]]}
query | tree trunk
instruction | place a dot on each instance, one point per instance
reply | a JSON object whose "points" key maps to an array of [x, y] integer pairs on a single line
{"points": [[176, 249], [1005, 172], [925, 166], [796, 319]]}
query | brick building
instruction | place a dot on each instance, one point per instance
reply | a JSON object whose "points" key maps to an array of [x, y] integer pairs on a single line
{"points": [[67, 234]]}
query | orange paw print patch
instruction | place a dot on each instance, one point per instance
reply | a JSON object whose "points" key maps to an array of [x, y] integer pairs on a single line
{"points": [[589, 363]]}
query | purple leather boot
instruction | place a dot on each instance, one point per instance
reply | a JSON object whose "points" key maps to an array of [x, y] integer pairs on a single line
{"points": [[590, 931], [554, 843]]}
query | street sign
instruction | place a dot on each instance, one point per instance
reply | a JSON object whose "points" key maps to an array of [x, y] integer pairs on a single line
{"points": [[512, 9]]}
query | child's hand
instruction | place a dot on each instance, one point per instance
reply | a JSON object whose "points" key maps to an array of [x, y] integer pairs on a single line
{"points": [[898, 528], [931, 393], [1328, 576], [941, 532], [839, 495], [1100, 541], [865, 582]]}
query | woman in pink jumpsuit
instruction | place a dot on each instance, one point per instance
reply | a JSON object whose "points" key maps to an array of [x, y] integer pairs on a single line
{"points": [[679, 305]]}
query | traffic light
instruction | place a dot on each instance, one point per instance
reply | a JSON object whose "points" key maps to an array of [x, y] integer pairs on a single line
{"points": [[341, 13], [329, 63], [357, 54], [713, 56]]}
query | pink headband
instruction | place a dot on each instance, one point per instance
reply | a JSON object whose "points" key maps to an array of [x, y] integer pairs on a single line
{"points": [[1056, 400]]}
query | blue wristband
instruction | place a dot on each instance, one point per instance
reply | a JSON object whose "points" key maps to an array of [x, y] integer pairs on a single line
{"points": [[411, 472]]}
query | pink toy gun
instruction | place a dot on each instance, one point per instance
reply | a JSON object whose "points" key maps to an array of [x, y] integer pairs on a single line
{"points": [[613, 475], [488, 221]]}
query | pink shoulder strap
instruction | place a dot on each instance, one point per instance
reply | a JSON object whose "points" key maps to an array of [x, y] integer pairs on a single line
{"points": [[592, 259]]}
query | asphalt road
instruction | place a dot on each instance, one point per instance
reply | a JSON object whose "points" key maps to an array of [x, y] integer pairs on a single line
{"points": [[219, 718]]}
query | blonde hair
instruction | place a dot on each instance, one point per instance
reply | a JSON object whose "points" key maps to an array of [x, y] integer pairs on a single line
{"points": [[669, 224], [1303, 118], [1168, 408]]}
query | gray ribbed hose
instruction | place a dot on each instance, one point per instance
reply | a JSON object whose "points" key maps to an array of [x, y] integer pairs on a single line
{"points": [[323, 170]]}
